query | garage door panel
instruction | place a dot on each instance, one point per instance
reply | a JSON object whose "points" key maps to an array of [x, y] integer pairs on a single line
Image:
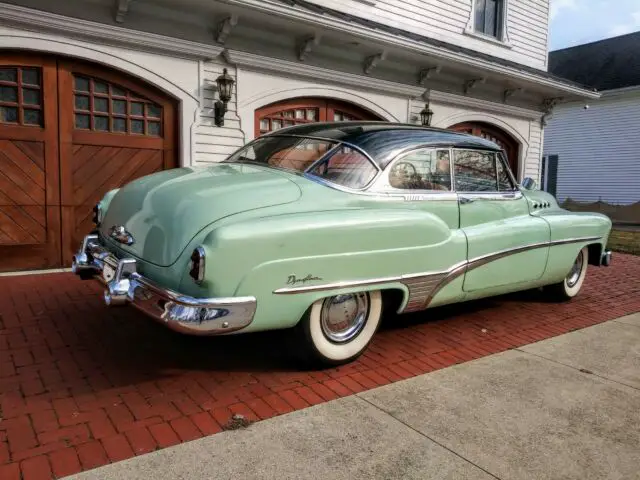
{"points": [[21, 174], [19, 224], [110, 172], [82, 154], [28, 156]]}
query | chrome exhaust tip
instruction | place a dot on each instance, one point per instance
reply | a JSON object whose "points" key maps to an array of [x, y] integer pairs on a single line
{"points": [[606, 258]]}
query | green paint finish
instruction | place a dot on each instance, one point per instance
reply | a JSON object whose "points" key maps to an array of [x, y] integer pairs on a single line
{"points": [[260, 227]]}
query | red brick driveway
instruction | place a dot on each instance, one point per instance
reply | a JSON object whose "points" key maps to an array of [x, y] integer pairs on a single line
{"points": [[82, 386]]}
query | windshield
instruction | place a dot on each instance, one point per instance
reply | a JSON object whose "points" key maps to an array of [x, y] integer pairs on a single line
{"points": [[290, 153]]}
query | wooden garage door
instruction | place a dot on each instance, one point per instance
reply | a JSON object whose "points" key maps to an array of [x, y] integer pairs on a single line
{"points": [[306, 110], [70, 132]]}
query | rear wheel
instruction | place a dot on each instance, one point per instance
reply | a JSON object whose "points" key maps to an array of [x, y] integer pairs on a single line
{"points": [[337, 329], [572, 283]]}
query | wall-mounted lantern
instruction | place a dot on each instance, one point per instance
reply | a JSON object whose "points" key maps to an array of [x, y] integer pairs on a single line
{"points": [[225, 88], [426, 114]]}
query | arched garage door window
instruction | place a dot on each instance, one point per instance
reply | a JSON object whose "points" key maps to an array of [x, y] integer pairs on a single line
{"points": [[496, 135], [307, 110]]}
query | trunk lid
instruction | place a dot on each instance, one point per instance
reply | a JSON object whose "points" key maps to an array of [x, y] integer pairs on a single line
{"points": [[164, 211]]}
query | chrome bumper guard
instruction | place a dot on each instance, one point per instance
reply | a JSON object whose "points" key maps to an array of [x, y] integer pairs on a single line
{"points": [[124, 285]]}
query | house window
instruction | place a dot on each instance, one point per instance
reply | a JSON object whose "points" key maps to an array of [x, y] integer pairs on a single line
{"points": [[489, 17]]}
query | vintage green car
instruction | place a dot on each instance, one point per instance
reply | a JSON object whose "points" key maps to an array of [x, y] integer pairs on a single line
{"points": [[318, 227]]}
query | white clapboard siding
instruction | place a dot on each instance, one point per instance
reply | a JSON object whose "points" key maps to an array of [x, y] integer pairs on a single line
{"points": [[527, 23], [534, 154], [212, 143], [598, 150]]}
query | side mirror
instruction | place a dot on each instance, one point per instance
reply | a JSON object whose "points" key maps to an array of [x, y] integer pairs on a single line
{"points": [[528, 183]]}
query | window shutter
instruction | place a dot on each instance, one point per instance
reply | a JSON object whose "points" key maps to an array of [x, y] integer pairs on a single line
{"points": [[552, 179]]}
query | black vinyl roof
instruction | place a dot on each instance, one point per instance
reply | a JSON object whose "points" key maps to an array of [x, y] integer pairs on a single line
{"points": [[606, 65], [318, 9], [382, 141]]}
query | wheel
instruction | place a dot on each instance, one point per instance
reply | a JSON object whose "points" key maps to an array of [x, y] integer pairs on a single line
{"points": [[336, 330], [570, 286]]}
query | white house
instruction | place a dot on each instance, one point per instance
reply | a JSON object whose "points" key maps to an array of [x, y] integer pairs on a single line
{"points": [[593, 154], [97, 92]]}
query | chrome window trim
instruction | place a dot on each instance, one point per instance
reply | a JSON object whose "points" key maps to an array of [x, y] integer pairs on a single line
{"points": [[424, 286]]}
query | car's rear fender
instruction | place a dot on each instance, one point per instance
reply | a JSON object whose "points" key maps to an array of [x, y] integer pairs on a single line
{"points": [[368, 248]]}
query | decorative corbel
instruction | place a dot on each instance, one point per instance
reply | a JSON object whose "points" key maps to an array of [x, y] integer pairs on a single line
{"points": [[372, 62], [471, 84], [427, 73], [122, 8], [224, 28], [510, 92], [548, 104], [307, 46]]}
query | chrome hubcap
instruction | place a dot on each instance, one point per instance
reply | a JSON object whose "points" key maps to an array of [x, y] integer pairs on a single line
{"points": [[574, 274], [343, 317]]}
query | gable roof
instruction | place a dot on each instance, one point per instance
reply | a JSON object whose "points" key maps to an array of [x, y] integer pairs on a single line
{"points": [[605, 65]]}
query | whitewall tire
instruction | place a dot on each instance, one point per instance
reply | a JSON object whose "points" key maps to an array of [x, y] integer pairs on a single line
{"points": [[337, 329], [572, 283]]}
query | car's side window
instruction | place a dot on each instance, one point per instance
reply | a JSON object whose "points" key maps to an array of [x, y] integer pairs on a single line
{"points": [[504, 180], [475, 171], [422, 170]]}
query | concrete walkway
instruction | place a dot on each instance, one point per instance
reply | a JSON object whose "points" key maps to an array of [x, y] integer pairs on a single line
{"points": [[563, 408]]}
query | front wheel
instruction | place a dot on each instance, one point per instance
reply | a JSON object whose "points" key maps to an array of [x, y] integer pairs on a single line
{"points": [[336, 330], [572, 283]]}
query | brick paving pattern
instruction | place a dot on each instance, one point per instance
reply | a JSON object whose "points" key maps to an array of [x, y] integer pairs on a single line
{"points": [[82, 386]]}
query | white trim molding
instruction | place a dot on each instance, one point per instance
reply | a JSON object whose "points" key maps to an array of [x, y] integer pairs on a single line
{"points": [[45, 22], [272, 7], [283, 67], [483, 105]]}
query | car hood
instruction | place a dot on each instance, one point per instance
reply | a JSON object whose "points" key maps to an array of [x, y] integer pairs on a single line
{"points": [[164, 211]]}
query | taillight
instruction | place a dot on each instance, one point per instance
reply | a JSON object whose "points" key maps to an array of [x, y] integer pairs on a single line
{"points": [[197, 265]]}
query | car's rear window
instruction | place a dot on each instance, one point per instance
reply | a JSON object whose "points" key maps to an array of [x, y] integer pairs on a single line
{"points": [[290, 153], [347, 167]]}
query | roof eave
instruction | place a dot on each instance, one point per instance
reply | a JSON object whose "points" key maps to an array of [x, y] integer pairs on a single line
{"points": [[555, 87]]}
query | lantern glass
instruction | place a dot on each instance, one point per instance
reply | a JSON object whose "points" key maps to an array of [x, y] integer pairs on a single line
{"points": [[426, 115], [225, 86]]}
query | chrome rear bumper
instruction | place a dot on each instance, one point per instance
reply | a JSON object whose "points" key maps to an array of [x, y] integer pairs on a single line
{"points": [[124, 285]]}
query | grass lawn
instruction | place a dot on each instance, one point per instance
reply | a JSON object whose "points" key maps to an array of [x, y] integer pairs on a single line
{"points": [[625, 241]]}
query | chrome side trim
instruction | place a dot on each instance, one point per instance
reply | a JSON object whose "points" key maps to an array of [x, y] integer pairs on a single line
{"points": [[513, 195], [424, 286]]}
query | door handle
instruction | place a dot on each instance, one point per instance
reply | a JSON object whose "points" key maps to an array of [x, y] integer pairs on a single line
{"points": [[465, 200]]}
